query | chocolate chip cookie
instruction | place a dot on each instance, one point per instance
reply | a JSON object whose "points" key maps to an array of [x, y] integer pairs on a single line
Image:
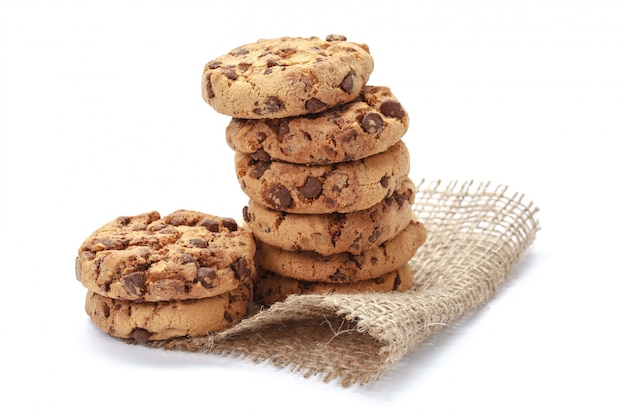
{"points": [[344, 267], [168, 319], [287, 76], [185, 255], [271, 288], [314, 189], [331, 233], [364, 127]]}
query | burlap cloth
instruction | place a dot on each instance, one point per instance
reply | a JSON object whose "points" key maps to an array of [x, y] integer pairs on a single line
{"points": [[476, 235]]}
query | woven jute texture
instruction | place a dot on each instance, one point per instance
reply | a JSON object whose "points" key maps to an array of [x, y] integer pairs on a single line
{"points": [[476, 235]]}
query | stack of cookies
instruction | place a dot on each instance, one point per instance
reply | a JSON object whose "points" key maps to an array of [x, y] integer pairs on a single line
{"points": [[153, 278], [320, 156]]}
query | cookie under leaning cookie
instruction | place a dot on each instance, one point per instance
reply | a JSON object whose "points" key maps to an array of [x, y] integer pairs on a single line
{"points": [[143, 321], [331, 233], [270, 288], [343, 267], [288, 76], [344, 187], [185, 255], [366, 126]]}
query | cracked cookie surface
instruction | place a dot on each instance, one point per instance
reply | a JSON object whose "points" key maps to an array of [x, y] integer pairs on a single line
{"points": [[287, 76], [184, 255]]}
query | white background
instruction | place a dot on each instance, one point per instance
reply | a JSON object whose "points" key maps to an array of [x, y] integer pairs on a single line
{"points": [[101, 116]]}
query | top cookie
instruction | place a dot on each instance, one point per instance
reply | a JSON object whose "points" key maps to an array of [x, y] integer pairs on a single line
{"points": [[185, 255], [368, 125], [283, 77]]}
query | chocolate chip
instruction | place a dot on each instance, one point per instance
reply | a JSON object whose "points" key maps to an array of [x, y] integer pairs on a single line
{"points": [[260, 155], [198, 243], [396, 282], [259, 168], [279, 196], [241, 269], [392, 108], [348, 135], [158, 227], [384, 181], [246, 214], [314, 105], [334, 37], [400, 199], [372, 123], [244, 66], [261, 136], [312, 188], [347, 84], [106, 311], [185, 258], [283, 129], [206, 277], [227, 317], [210, 224], [271, 105], [356, 245], [286, 52], [357, 259], [123, 220], [307, 83], [375, 235], [214, 64], [230, 224], [141, 335], [230, 74], [134, 283], [338, 277], [177, 220], [209, 87], [107, 243], [239, 52]]}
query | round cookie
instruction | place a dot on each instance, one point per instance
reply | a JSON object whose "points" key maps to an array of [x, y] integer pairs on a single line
{"points": [[288, 76], [314, 189], [185, 255], [331, 233], [168, 319], [364, 127], [270, 288], [343, 267]]}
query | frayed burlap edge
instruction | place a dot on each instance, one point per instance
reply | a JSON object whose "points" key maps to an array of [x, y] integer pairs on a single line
{"points": [[476, 235]]}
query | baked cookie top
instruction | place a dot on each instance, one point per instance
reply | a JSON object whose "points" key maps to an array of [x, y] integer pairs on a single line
{"points": [[184, 255], [286, 76], [316, 189], [368, 125]]}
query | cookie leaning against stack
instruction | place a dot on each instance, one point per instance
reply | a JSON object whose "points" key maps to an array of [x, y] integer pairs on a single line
{"points": [[153, 278], [319, 153]]}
